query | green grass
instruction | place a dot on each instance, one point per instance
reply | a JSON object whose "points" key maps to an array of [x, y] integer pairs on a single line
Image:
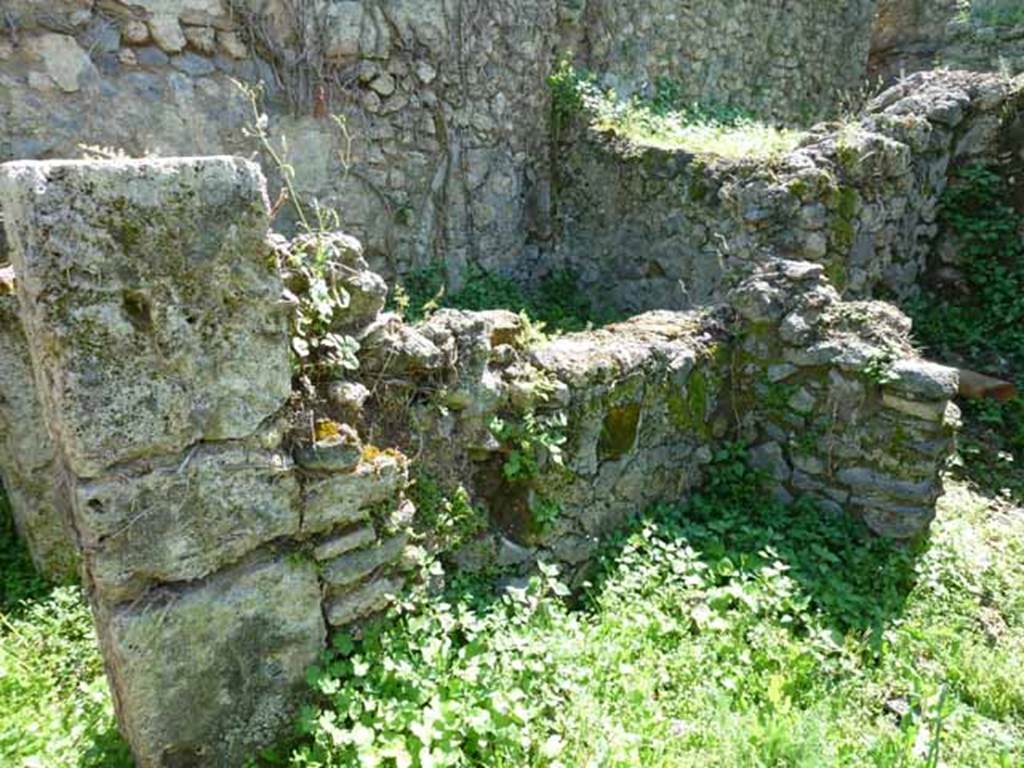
{"points": [[727, 632], [667, 120], [55, 708], [554, 305]]}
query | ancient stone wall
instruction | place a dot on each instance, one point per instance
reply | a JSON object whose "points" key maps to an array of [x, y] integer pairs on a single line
{"points": [[782, 60], [225, 522], [446, 102], [650, 228], [977, 35], [159, 348]]}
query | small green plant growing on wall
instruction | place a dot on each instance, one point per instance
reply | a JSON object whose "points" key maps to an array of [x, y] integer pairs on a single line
{"points": [[878, 369], [528, 441], [310, 270], [447, 518], [555, 304]]}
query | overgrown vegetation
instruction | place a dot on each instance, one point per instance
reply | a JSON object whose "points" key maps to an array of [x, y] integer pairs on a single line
{"points": [[666, 119], [983, 325], [555, 304], [730, 631], [995, 13], [55, 708]]}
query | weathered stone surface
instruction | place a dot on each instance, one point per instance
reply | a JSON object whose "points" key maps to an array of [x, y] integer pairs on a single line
{"points": [[207, 674], [345, 542], [151, 302], [368, 599], [197, 513], [924, 380], [352, 567], [27, 457], [64, 61], [347, 498]]}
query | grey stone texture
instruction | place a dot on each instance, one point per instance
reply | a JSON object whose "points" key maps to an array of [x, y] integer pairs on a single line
{"points": [[844, 411], [653, 228], [446, 102], [908, 37], [205, 674], [155, 326], [150, 327], [28, 467]]}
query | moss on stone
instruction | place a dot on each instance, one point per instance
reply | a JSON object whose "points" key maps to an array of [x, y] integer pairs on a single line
{"points": [[842, 226], [619, 431]]}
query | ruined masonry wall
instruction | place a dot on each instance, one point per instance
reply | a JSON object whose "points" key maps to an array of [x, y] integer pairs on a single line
{"points": [[650, 228], [159, 347], [446, 101], [217, 549]]}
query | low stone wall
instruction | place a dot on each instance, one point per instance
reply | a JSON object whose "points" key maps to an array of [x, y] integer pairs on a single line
{"points": [[830, 394], [226, 522], [650, 228]]}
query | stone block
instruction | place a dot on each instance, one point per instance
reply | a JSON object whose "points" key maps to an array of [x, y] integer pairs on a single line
{"points": [[350, 568], [27, 456], [924, 380], [153, 309], [362, 602], [206, 675], [185, 519], [335, 546], [344, 499]]}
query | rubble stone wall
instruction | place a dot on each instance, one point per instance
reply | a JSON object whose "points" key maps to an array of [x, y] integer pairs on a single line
{"points": [[222, 534], [651, 228], [445, 100], [977, 35]]}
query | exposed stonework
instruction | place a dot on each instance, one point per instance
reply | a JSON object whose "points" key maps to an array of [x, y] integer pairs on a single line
{"points": [[229, 514], [235, 530], [959, 34], [788, 61], [446, 101], [830, 394], [649, 228], [157, 335]]}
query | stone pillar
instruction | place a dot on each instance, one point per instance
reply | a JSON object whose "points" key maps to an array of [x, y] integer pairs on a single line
{"points": [[27, 465], [159, 348]]}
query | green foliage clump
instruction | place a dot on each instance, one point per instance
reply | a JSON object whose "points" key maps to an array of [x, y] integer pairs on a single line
{"points": [[995, 13], [985, 325], [666, 119], [528, 442], [555, 304], [55, 709], [448, 519], [726, 631]]}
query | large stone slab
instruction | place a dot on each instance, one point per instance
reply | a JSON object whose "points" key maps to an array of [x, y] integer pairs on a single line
{"points": [[185, 519], [150, 302], [206, 675], [27, 457]]}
